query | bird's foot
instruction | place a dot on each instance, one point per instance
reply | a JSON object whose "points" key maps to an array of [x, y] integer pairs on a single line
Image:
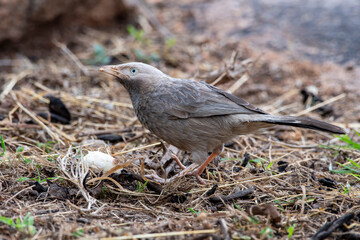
{"points": [[199, 178], [155, 178], [191, 170], [186, 169], [178, 161]]}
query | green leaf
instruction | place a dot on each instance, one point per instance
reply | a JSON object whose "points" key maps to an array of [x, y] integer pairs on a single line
{"points": [[100, 56], [346, 188], [22, 179], [141, 187], [245, 237], [356, 171], [78, 233], [140, 55], [269, 166], [355, 176], [26, 225], [267, 232], [28, 220], [348, 140], [154, 57], [19, 149], [47, 147], [258, 161], [193, 211], [2, 145], [135, 33], [354, 163], [357, 133], [290, 230], [170, 42], [254, 220], [7, 221], [279, 205]]}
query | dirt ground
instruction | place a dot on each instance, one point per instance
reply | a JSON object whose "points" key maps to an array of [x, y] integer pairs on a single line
{"points": [[279, 183]]}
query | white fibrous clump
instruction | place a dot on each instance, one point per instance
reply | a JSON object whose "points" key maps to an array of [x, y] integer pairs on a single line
{"points": [[99, 161]]}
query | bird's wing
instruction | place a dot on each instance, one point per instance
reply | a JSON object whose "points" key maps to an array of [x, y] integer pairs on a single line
{"points": [[190, 99]]}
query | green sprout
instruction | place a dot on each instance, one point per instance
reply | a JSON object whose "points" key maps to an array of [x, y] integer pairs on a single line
{"points": [[37, 167], [346, 188], [2, 145], [26, 225], [254, 219], [141, 187], [19, 149], [78, 233], [38, 179], [269, 166], [47, 147], [170, 42], [193, 211], [138, 34], [140, 55], [351, 168], [351, 143], [245, 238], [99, 56], [290, 229], [267, 232], [279, 205]]}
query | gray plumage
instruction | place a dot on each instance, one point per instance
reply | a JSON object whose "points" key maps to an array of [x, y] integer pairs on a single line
{"points": [[195, 116]]}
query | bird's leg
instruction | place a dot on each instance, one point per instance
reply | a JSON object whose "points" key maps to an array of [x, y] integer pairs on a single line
{"points": [[200, 170], [214, 154], [184, 167], [177, 161], [173, 155]]}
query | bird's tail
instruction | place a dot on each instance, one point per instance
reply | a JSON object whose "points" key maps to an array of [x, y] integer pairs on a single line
{"points": [[303, 122]]}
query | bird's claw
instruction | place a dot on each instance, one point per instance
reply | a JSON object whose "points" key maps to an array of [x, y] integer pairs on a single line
{"points": [[191, 170]]}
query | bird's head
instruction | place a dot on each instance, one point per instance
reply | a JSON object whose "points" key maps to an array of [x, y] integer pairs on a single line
{"points": [[134, 74]]}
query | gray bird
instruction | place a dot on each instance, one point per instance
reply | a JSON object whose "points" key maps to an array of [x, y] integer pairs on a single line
{"points": [[195, 116]]}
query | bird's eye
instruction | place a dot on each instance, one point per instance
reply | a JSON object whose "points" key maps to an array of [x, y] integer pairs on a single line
{"points": [[133, 70]]}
